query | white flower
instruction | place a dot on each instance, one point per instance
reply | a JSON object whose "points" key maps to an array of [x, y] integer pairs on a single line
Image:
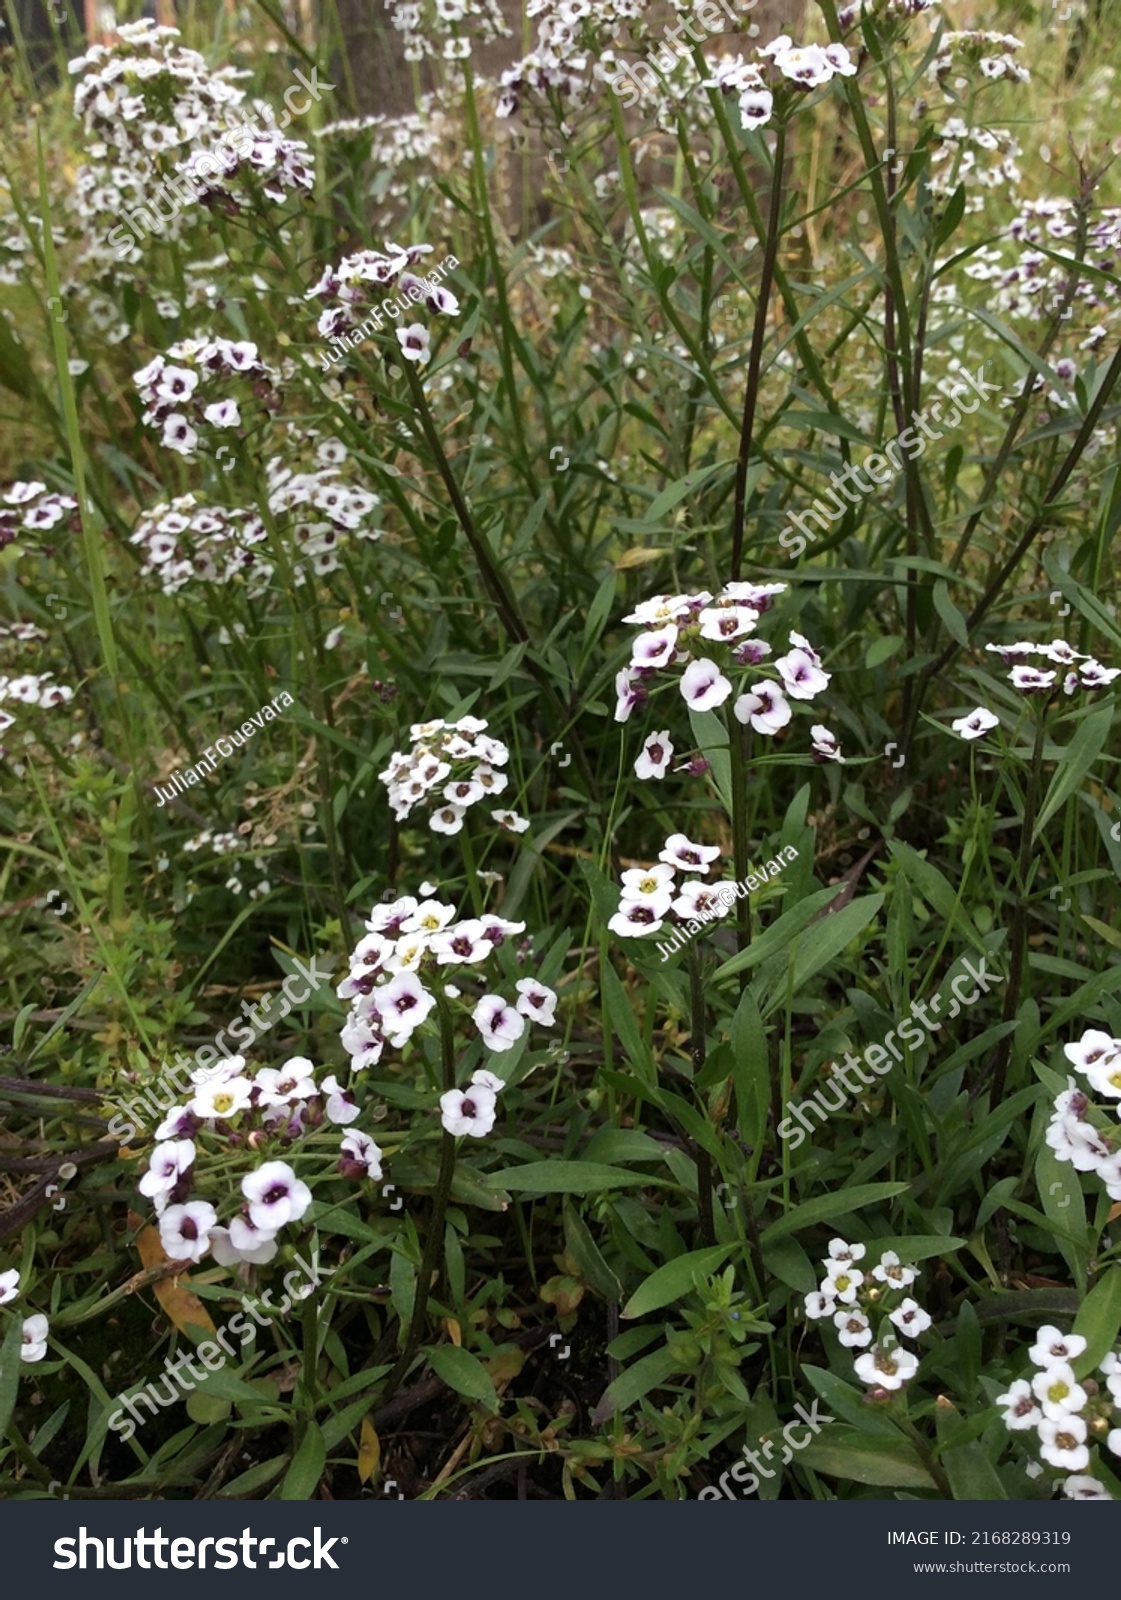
{"points": [[428, 917], [536, 1001], [341, 1107], [510, 821], [470, 1111], [660, 608], [889, 1368], [839, 1250], [975, 724], [500, 1025], [448, 819], [1062, 1442], [844, 1280], [821, 1303], [166, 1165], [655, 756], [727, 621], [756, 106], [1021, 1410], [703, 686], [185, 1230], [628, 687], [853, 1328], [9, 1286], [1051, 1347], [680, 852], [34, 1343], [649, 885], [178, 433], [701, 902], [414, 342], [402, 1005], [463, 942], [283, 1086], [275, 1196], [911, 1319], [252, 1243], [1095, 1049], [221, 1098], [765, 707], [825, 746], [635, 919], [1084, 1488], [482, 1079], [1030, 680], [802, 678], [223, 414], [1058, 1392], [655, 649], [358, 1150], [259, 1249], [890, 1270]]}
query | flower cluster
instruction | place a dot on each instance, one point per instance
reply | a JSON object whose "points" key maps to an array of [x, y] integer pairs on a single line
{"points": [[33, 1346], [650, 895], [1031, 285], [280, 165], [1071, 1134], [29, 689], [991, 52], [455, 764], [190, 388], [808, 66], [30, 507], [352, 284], [848, 1297], [143, 100], [410, 951], [276, 1106], [681, 631], [1065, 1412], [1083, 672], [455, 20]]}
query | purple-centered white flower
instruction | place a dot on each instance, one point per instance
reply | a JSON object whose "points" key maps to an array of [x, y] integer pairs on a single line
{"points": [[655, 756], [975, 724], [635, 919], [341, 1106], [359, 1156], [727, 622], [414, 342], [275, 1195], [185, 1230], [166, 1165], [499, 1023], [656, 648], [536, 1002], [283, 1086], [703, 686], [1021, 1409], [1062, 1441], [402, 1005], [1029, 680], [911, 1319], [765, 707], [9, 1286], [682, 853], [801, 676], [1051, 1346], [825, 746], [853, 1328], [468, 1112]]}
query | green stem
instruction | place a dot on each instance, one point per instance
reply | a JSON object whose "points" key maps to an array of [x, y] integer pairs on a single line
{"points": [[697, 1050], [433, 1245], [1019, 931]]}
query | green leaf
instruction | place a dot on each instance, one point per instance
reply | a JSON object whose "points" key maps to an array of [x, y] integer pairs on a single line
{"points": [[676, 492], [649, 1373], [623, 1021], [568, 1177], [1060, 1195], [828, 939], [972, 1475], [673, 1280], [856, 1457], [1077, 759], [584, 1251], [9, 1371], [881, 650], [1099, 1321], [302, 1478], [828, 1206], [951, 616], [464, 1373]]}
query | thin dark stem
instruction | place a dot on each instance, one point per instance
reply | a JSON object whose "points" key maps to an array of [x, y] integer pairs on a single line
{"points": [[755, 361], [1018, 936]]}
